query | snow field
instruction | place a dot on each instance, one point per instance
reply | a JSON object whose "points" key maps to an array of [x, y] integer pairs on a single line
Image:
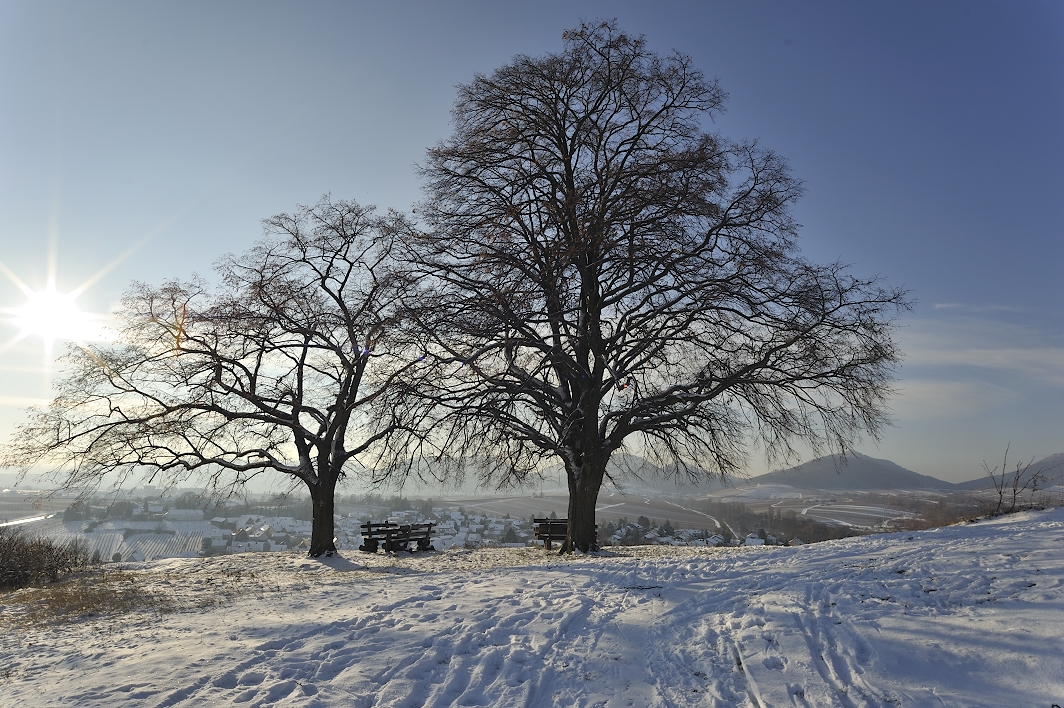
{"points": [[971, 615]]}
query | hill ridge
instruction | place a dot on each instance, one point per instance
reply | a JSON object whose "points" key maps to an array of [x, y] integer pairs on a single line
{"points": [[854, 471]]}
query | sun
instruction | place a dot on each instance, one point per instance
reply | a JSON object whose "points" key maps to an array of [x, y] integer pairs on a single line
{"points": [[53, 316], [50, 315]]}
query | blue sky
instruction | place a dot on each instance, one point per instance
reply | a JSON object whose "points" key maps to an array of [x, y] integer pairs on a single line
{"points": [[144, 140]]}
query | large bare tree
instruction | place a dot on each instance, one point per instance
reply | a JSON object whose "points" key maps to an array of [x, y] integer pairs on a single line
{"points": [[276, 368], [599, 272]]}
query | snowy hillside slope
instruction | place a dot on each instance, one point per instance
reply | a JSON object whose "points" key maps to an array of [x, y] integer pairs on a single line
{"points": [[970, 615], [857, 471]]}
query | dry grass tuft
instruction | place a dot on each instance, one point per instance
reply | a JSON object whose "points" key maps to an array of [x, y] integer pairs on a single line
{"points": [[111, 591], [91, 594]]}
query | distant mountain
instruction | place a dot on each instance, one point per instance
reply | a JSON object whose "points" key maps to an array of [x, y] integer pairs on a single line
{"points": [[858, 471], [1051, 468]]}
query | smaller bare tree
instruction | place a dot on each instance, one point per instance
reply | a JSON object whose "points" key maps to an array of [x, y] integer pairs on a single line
{"points": [[276, 368], [1010, 486]]}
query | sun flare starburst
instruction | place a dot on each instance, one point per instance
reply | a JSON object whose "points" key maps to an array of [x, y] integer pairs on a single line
{"points": [[52, 316]]}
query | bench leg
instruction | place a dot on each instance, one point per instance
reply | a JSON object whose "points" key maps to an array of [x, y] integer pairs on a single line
{"points": [[394, 545], [369, 546]]}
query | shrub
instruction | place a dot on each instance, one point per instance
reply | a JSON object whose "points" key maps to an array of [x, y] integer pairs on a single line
{"points": [[1011, 486], [28, 561]]}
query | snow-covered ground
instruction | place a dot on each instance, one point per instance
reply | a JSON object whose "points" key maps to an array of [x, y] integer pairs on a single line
{"points": [[970, 615]]}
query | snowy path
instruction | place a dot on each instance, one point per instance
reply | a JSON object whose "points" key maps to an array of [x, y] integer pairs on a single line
{"points": [[964, 616]]}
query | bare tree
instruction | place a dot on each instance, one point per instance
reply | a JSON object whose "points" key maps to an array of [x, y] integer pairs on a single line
{"points": [[1012, 485], [276, 369], [599, 272]]}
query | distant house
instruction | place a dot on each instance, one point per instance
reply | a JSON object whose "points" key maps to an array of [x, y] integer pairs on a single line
{"points": [[263, 532], [754, 540], [796, 542]]}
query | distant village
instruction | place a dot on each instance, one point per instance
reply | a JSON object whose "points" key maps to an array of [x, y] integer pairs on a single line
{"points": [[169, 526]]}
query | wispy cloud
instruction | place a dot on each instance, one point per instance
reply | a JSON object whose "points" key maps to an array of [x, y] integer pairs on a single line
{"points": [[968, 307], [932, 400], [984, 345], [1044, 364], [22, 401], [15, 369]]}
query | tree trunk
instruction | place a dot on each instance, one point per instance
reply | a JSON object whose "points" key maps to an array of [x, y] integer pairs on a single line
{"points": [[583, 496], [322, 537]]}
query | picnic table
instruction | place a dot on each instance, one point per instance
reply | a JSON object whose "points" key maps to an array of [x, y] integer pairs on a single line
{"points": [[396, 537]]}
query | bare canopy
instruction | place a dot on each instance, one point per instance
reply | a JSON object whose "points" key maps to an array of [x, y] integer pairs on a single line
{"points": [[598, 272]]}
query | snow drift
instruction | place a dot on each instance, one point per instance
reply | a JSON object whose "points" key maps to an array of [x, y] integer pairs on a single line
{"points": [[970, 615]]}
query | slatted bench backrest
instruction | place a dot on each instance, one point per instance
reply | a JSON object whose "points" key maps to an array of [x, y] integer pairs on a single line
{"points": [[395, 536], [548, 530]]}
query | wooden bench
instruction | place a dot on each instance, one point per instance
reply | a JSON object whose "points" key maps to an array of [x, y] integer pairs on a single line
{"points": [[396, 537], [548, 530]]}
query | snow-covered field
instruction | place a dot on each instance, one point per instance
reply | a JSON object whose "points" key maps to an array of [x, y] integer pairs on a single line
{"points": [[970, 615]]}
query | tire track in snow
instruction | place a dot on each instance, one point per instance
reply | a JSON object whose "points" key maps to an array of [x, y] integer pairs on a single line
{"points": [[821, 627], [769, 631]]}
